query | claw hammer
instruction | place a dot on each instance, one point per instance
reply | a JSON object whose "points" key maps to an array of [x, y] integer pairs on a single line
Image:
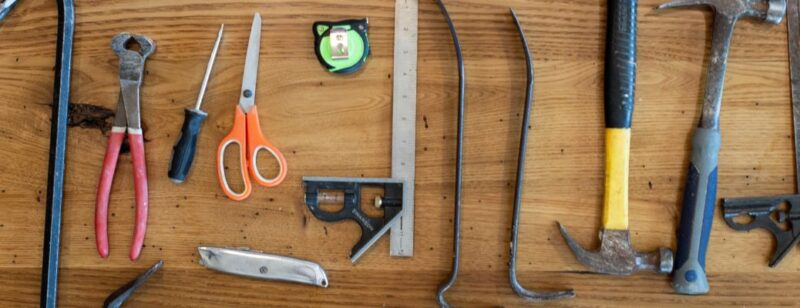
{"points": [[617, 255], [699, 196]]}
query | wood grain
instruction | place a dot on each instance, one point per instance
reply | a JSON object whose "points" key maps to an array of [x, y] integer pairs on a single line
{"points": [[341, 126]]}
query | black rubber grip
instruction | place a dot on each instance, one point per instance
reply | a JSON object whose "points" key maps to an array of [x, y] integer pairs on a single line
{"points": [[183, 151], [620, 71]]}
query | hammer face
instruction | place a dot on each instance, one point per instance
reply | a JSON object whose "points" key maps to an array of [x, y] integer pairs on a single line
{"points": [[617, 256]]}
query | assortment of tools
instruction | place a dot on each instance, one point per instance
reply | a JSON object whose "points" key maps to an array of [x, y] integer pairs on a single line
{"points": [[398, 195], [699, 197], [761, 210], [246, 132], [342, 47]]}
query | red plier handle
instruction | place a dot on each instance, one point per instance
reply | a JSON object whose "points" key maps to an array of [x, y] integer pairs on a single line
{"points": [[136, 142]]}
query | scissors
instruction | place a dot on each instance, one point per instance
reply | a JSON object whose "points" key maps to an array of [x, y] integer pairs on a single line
{"points": [[246, 131]]}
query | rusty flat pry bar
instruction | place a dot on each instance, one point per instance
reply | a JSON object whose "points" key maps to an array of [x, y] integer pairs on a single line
{"points": [[761, 209]]}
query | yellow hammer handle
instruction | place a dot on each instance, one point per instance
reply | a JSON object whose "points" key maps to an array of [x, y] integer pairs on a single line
{"points": [[615, 202]]}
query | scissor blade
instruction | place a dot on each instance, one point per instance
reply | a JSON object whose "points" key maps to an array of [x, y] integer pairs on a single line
{"points": [[248, 94]]}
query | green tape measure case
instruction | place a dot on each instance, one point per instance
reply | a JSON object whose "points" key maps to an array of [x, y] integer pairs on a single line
{"points": [[342, 47]]}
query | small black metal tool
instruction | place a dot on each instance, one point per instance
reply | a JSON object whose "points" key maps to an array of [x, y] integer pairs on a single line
{"points": [[118, 297], [322, 190], [768, 212]]}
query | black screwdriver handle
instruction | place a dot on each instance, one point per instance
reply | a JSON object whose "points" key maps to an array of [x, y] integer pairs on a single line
{"points": [[620, 70], [183, 151]]}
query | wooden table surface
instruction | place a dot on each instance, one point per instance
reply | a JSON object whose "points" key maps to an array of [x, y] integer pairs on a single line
{"points": [[331, 125]]}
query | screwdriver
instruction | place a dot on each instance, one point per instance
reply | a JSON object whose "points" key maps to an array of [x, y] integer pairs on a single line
{"points": [[183, 151]]}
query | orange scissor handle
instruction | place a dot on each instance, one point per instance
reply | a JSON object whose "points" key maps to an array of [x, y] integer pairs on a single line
{"points": [[256, 142], [238, 135]]}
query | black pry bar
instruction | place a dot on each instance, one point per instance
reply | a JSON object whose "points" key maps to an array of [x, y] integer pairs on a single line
{"points": [[761, 209], [58, 150], [523, 145], [459, 159], [372, 228], [119, 296]]}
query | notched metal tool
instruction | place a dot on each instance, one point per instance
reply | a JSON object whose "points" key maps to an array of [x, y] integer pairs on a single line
{"points": [[372, 228], [118, 297], [785, 227], [256, 264], [779, 215]]}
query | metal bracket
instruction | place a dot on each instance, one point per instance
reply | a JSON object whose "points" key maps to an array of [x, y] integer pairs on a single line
{"points": [[761, 210], [317, 193], [339, 43]]}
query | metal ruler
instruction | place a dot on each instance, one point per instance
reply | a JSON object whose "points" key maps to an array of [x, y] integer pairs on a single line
{"points": [[404, 120]]}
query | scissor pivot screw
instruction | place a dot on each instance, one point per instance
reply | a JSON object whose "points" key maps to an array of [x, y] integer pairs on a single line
{"points": [[247, 93]]}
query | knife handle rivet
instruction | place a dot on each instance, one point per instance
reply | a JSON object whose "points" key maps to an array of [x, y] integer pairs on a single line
{"points": [[263, 269]]}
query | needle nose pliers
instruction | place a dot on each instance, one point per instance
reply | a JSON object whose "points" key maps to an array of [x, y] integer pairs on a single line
{"points": [[127, 119]]}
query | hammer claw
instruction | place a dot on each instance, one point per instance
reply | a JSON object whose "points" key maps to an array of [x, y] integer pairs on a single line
{"points": [[682, 3], [593, 260], [617, 256]]}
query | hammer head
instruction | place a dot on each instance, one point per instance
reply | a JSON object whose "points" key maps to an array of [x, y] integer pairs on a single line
{"points": [[616, 255], [771, 11]]}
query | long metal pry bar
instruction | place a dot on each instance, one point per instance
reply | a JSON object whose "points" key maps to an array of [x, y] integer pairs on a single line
{"points": [[459, 159], [523, 145], [58, 150]]}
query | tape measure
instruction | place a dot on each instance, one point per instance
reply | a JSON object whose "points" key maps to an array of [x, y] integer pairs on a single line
{"points": [[342, 47]]}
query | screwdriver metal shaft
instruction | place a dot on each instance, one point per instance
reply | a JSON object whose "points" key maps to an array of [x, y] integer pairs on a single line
{"points": [[183, 151]]}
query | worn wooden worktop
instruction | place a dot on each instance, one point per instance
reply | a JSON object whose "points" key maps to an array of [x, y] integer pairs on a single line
{"points": [[341, 126]]}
